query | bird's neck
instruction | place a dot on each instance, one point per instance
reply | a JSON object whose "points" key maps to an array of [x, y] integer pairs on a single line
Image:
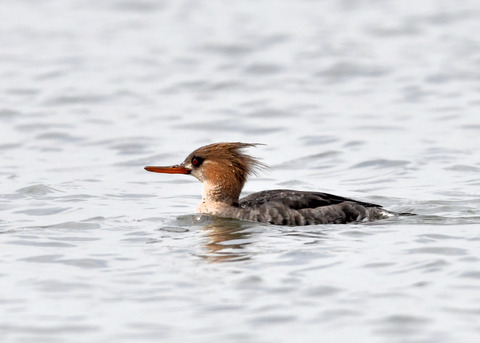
{"points": [[219, 195], [226, 192]]}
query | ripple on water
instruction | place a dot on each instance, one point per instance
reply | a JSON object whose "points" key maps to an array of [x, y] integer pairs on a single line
{"points": [[322, 291], [262, 69], [345, 71], [425, 266], [85, 263], [394, 30], [433, 237], [10, 146], [381, 163], [463, 168], [445, 251], [322, 160], [231, 126], [265, 112], [87, 224], [37, 191], [401, 325], [40, 126], [319, 139], [173, 229], [39, 330], [41, 244], [55, 285], [228, 49], [140, 6], [44, 211], [59, 136], [472, 274], [130, 148], [76, 99]]}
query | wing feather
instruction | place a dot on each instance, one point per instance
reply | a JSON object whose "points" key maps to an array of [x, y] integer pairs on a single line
{"points": [[297, 200]]}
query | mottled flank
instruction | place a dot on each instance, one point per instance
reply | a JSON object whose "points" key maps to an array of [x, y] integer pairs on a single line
{"points": [[287, 207]]}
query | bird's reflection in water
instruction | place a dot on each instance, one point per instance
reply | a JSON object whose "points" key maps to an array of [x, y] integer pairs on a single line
{"points": [[227, 240]]}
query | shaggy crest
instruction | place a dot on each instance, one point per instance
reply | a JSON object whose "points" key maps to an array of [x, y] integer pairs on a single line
{"points": [[231, 155]]}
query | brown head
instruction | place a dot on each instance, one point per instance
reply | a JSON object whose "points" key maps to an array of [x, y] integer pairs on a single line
{"points": [[223, 168]]}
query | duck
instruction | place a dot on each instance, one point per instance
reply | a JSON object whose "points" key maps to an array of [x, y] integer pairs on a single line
{"points": [[223, 169]]}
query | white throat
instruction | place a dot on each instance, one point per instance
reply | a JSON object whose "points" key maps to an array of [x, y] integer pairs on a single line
{"points": [[210, 203]]}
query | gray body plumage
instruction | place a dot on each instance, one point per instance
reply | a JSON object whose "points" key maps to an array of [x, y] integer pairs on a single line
{"points": [[288, 207]]}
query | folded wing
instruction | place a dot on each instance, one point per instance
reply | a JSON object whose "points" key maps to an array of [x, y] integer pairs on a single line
{"points": [[297, 200]]}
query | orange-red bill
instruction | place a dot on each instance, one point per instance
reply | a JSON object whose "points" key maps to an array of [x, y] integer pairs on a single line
{"points": [[178, 169]]}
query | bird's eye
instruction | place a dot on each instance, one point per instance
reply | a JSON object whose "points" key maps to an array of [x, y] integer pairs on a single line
{"points": [[197, 161]]}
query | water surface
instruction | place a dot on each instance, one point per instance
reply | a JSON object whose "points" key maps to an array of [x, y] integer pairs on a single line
{"points": [[376, 101]]}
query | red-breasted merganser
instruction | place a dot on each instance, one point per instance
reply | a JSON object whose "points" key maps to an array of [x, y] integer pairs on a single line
{"points": [[223, 169]]}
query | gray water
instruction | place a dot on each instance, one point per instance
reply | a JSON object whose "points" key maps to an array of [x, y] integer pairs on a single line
{"points": [[374, 100]]}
